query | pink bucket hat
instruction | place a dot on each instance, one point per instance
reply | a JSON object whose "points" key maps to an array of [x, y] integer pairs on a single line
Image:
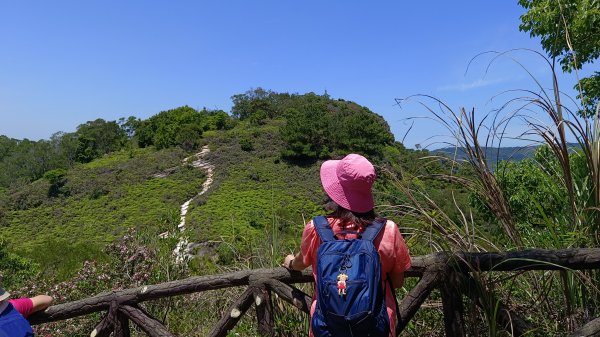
{"points": [[348, 182]]}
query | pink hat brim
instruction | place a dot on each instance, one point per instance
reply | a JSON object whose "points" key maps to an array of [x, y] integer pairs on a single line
{"points": [[351, 199]]}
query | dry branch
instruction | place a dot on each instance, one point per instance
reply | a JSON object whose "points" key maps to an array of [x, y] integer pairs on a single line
{"points": [[506, 318], [433, 267], [533, 259], [104, 328], [122, 326], [264, 311]]}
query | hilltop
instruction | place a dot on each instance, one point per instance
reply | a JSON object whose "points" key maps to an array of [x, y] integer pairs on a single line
{"points": [[62, 201], [104, 203], [102, 208]]}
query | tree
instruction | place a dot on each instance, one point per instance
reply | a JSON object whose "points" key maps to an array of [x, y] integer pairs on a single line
{"points": [[182, 126], [98, 137], [189, 137], [318, 127], [57, 179], [570, 32], [65, 146], [569, 29], [248, 103], [7, 145], [129, 125], [590, 93]]}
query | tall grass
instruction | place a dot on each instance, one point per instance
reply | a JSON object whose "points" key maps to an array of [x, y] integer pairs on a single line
{"points": [[567, 297]]}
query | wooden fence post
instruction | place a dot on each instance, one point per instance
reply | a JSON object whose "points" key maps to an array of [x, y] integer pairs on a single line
{"points": [[107, 324], [416, 296], [591, 328], [233, 314], [122, 326], [290, 294], [264, 311], [506, 318], [452, 305], [150, 325]]}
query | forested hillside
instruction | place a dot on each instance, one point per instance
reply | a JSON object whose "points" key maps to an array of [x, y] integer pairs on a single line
{"points": [[73, 198], [100, 208], [136, 202]]}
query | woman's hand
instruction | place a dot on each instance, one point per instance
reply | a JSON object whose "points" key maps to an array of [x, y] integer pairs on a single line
{"points": [[287, 262], [296, 262]]}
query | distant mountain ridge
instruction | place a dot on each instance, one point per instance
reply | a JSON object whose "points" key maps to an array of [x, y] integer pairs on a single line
{"points": [[514, 153]]}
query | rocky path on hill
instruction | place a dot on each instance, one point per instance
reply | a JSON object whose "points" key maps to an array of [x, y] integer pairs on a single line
{"points": [[182, 251]]}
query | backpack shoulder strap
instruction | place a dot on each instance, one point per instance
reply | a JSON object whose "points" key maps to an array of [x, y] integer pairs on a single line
{"points": [[372, 231], [323, 228]]}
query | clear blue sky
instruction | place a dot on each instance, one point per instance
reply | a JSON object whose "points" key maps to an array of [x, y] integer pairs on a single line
{"points": [[63, 63]]}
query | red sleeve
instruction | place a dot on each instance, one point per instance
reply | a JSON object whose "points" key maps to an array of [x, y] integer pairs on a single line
{"points": [[310, 243], [403, 261], [23, 306], [393, 251]]}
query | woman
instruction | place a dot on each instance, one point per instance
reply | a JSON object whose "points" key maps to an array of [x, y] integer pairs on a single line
{"points": [[12, 323], [26, 306], [348, 184]]}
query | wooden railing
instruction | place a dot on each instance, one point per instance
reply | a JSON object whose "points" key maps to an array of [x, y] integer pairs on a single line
{"points": [[451, 273]]}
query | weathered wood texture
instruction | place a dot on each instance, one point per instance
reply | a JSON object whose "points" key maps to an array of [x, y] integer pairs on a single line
{"points": [[150, 325], [590, 329], [452, 305], [506, 318], [432, 268], [290, 294], [416, 296], [104, 328], [233, 314], [264, 312], [122, 326], [533, 259], [151, 292]]}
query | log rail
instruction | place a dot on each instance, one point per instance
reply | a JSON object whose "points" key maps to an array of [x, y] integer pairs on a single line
{"points": [[446, 271]]}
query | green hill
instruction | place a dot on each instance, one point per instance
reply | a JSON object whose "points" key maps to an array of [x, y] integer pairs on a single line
{"points": [[92, 191], [98, 202]]}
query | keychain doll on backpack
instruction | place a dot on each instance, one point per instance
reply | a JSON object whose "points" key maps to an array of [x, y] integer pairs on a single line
{"points": [[357, 258]]}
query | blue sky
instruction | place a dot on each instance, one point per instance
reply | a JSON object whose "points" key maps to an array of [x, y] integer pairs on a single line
{"points": [[63, 63]]}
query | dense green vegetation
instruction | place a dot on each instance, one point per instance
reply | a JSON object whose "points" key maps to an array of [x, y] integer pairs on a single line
{"points": [[81, 213], [82, 190], [181, 127], [265, 188], [316, 127], [96, 203], [570, 33]]}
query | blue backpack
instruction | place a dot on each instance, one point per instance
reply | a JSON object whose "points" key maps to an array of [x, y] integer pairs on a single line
{"points": [[12, 324], [350, 295]]}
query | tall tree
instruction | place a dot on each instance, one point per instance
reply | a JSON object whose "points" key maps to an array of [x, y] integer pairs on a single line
{"points": [[319, 127], [99, 137], [129, 125], [570, 32]]}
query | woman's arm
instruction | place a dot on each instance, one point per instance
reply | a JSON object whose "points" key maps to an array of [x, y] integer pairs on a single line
{"points": [[292, 262], [41, 302]]}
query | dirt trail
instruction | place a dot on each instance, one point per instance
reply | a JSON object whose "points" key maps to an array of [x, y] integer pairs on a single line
{"points": [[183, 247]]}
